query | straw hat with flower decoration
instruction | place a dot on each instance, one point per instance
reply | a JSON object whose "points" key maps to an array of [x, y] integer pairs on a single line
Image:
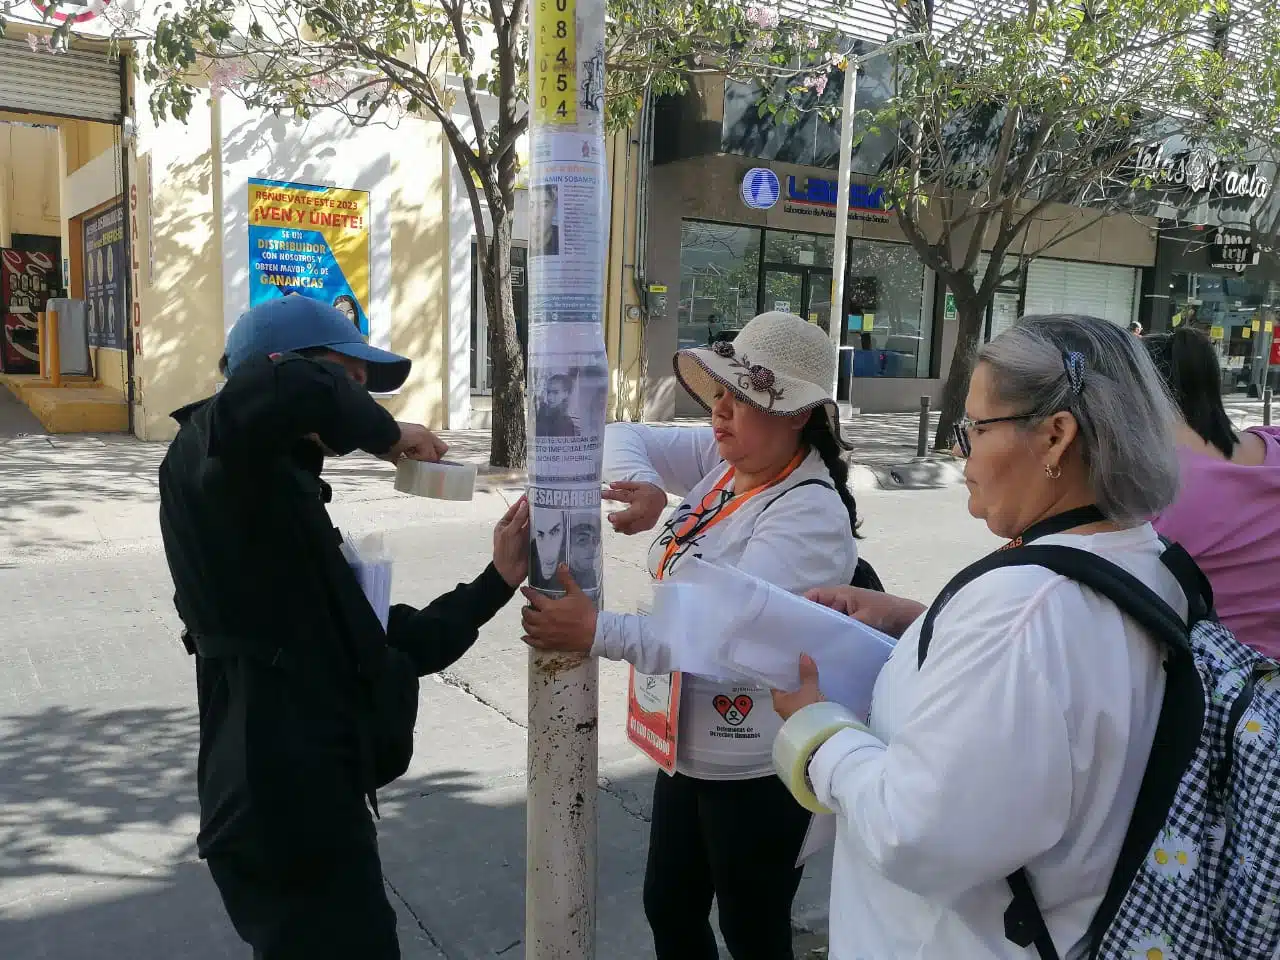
{"points": [[777, 363]]}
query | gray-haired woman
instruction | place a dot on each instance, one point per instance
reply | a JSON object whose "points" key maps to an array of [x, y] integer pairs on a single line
{"points": [[1022, 740]]}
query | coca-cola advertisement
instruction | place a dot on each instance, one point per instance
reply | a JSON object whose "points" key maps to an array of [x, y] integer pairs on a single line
{"points": [[24, 288]]}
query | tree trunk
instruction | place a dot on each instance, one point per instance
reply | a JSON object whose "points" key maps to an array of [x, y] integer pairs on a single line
{"points": [[508, 425], [970, 315]]}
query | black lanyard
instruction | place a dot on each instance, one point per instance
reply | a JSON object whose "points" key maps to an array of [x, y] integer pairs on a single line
{"points": [[1058, 523]]}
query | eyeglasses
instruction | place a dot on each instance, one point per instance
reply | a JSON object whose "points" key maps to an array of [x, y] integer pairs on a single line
{"points": [[964, 425]]}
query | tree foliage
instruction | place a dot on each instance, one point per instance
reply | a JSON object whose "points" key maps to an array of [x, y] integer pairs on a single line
{"points": [[461, 63], [1018, 127]]}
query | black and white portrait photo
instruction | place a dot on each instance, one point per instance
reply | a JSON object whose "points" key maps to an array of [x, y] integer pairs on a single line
{"points": [[586, 558], [548, 547], [554, 394], [545, 201]]}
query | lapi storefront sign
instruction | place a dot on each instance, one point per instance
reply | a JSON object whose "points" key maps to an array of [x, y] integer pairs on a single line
{"points": [[812, 196], [1200, 171]]}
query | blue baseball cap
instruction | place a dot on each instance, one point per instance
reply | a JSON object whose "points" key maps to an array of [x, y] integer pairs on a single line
{"points": [[293, 323]]}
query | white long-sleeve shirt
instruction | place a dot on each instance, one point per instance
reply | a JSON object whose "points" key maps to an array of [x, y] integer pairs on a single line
{"points": [[1021, 743], [800, 542]]}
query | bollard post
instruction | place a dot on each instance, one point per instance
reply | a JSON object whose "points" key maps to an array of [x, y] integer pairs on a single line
{"points": [[55, 348], [1266, 407], [568, 386], [922, 438], [42, 343]]}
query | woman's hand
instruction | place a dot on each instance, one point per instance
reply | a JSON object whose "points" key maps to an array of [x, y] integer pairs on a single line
{"points": [[884, 612], [785, 704], [511, 543], [567, 624], [646, 503]]}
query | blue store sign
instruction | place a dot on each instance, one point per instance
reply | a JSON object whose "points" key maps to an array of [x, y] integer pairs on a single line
{"points": [[760, 188]]}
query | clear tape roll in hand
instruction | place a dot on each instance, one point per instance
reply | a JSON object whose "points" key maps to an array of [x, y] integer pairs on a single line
{"points": [[800, 738], [445, 480]]}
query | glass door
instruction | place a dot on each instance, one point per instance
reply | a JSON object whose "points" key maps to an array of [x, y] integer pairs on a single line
{"points": [[817, 297], [804, 291], [782, 289]]}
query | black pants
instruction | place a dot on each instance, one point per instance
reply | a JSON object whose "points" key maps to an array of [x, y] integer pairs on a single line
{"points": [[331, 910], [736, 840]]}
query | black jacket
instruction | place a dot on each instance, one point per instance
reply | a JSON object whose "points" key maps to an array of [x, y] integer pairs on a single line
{"points": [[300, 690]]}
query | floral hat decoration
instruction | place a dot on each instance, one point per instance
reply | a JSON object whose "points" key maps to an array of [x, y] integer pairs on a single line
{"points": [[778, 363]]}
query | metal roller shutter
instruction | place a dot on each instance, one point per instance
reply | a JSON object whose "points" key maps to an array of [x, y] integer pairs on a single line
{"points": [[1094, 289], [1000, 319], [77, 84]]}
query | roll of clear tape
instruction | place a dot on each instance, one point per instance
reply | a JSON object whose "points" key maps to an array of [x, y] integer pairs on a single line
{"points": [[445, 480], [799, 739]]}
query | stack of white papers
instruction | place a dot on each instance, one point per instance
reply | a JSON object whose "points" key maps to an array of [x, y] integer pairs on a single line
{"points": [[727, 625], [372, 567]]}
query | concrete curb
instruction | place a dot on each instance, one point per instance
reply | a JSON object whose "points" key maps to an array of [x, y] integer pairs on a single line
{"points": [[923, 473]]}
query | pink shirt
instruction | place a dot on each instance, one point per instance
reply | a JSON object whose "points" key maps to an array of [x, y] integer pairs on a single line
{"points": [[1228, 518]]}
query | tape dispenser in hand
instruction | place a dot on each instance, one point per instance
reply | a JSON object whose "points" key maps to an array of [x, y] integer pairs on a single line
{"points": [[445, 480], [800, 738]]}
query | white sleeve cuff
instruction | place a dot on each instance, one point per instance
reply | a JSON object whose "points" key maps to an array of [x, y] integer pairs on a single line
{"points": [[854, 744], [606, 630]]}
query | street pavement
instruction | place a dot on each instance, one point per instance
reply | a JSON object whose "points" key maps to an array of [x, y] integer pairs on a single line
{"points": [[98, 730]]}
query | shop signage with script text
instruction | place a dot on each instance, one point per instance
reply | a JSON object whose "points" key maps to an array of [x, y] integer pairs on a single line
{"points": [[1231, 251], [1199, 171]]}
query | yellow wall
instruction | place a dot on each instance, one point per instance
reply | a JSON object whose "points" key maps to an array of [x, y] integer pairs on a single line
{"points": [[623, 333], [420, 271], [28, 181], [181, 302]]}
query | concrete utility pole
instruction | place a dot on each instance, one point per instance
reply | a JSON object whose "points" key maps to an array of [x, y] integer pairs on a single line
{"points": [[568, 388], [840, 253]]}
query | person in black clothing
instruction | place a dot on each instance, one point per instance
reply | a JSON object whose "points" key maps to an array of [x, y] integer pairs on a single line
{"points": [[307, 705]]}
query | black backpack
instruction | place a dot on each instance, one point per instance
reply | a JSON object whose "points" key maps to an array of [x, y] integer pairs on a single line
{"points": [[1204, 768]]}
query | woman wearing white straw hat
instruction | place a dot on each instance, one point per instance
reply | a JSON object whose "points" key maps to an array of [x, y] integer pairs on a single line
{"points": [[766, 492]]}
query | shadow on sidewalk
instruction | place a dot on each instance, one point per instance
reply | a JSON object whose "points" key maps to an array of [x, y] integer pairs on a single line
{"points": [[97, 821]]}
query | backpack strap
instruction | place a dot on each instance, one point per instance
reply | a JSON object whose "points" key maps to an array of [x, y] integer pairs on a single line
{"points": [[1114, 582], [864, 575], [811, 482], [1190, 578], [1178, 728]]}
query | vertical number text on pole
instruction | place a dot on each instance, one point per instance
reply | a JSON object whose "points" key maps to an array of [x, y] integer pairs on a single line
{"points": [[555, 59]]}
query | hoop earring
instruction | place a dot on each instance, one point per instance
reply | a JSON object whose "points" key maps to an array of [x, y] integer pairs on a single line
{"points": [[1052, 472]]}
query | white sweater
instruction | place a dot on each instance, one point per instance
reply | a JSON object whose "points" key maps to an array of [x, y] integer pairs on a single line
{"points": [[1021, 743], [802, 541]]}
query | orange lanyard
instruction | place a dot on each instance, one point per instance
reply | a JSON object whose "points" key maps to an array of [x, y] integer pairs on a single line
{"points": [[691, 522]]}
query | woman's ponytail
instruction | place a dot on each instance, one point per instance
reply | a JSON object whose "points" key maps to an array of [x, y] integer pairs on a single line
{"points": [[817, 434]]}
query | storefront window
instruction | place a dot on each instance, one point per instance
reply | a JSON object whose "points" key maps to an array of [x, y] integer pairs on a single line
{"points": [[1239, 314], [887, 322], [724, 282], [802, 249], [719, 280]]}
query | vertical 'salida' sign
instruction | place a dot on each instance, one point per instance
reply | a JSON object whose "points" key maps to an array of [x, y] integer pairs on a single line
{"points": [[568, 389]]}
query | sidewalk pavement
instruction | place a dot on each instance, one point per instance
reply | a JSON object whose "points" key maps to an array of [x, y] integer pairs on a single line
{"points": [[15, 418], [883, 455], [63, 494]]}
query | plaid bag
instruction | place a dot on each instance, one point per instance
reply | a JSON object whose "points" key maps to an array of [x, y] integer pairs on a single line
{"points": [[1198, 877]]}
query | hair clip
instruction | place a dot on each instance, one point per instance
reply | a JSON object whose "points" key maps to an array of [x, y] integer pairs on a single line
{"points": [[1073, 362]]}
